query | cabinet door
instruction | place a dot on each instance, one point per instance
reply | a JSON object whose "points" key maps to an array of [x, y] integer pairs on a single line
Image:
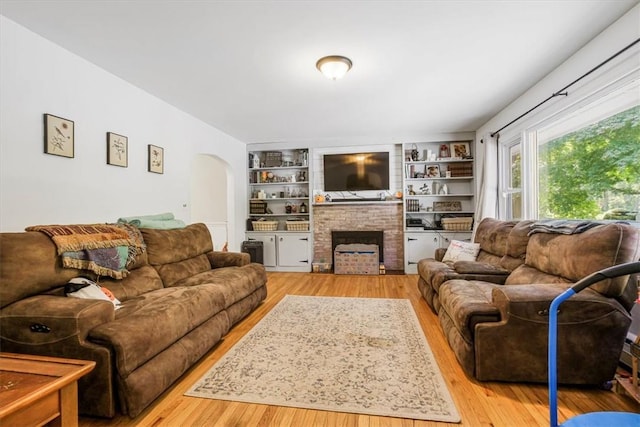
{"points": [[419, 246], [447, 237], [268, 249], [293, 250]]}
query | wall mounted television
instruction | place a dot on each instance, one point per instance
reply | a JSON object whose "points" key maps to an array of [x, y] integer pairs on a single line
{"points": [[356, 171]]}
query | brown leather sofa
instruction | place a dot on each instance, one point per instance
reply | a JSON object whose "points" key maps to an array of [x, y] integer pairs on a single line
{"points": [[178, 301], [494, 312], [503, 246]]}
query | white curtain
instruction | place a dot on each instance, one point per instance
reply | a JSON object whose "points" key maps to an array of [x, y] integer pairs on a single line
{"points": [[487, 185]]}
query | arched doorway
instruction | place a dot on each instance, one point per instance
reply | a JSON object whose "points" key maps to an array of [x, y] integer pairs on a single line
{"points": [[210, 192]]}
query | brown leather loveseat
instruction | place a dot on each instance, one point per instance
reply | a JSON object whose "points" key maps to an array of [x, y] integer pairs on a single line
{"points": [[494, 312], [179, 299]]}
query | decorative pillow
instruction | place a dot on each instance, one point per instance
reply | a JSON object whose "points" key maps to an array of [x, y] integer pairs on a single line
{"points": [[461, 251], [81, 287]]}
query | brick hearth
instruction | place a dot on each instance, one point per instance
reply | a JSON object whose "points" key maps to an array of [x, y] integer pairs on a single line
{"points": [[362, 216]]}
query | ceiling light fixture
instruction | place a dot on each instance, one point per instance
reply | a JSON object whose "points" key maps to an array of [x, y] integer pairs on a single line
{"points": [[334, 67]]}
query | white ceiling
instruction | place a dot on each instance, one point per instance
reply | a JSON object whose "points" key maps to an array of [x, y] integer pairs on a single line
{"points": [[248, 67]]}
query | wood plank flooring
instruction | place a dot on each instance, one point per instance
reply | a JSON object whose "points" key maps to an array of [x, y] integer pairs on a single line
{"points": [[479, 403]]}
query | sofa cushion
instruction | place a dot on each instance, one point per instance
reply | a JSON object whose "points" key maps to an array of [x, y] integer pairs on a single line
{"points": [[525, 274], [170, 246], [172, 274], [516, 250], [180, 253], [235, 283], [30, 265], [492, 235], [578, 255], [467, 303], [139, 281], [476, 267], [146, 325]]}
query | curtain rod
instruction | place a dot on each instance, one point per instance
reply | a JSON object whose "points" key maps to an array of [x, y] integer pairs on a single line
{"points": [[563, 91]]}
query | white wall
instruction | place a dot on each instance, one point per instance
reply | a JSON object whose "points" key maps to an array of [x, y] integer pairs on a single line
{"points": [[37, 77], [618, 35]]}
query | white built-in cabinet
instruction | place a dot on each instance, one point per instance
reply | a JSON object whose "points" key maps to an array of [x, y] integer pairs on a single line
{"points": [[438, 183], [284, 251], [418, 246]]}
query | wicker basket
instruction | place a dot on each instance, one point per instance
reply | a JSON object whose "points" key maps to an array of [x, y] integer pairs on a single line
{"points": [[457, 224], [297, 225], [265, 225]]}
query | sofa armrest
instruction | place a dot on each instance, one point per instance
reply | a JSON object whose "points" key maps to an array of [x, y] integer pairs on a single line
{"points": [[220, 259], [48, 319], [591, 333]]}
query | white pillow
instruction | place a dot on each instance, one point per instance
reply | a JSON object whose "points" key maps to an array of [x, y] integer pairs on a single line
{"points": [[88, 289], [461, 251]]}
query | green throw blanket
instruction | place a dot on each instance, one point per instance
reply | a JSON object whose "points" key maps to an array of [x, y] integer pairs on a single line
{"points": [[163, 221]]}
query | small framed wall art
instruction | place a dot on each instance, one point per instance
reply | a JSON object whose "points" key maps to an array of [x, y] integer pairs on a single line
{"points": [[156, 159], [58, 136], [117, 149], [460, 150]]}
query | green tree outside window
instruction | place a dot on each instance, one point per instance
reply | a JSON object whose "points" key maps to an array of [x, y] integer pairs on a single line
{"points": [[592, 173]]}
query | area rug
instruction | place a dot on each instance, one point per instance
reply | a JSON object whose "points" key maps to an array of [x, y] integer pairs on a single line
{"points": [[356, 355]]}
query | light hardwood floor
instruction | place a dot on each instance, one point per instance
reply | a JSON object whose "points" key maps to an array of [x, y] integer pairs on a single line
{"points": [[479, 403]]}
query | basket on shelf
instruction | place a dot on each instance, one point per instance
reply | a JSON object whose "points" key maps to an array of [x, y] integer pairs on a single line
{"points": [[457, 224], [265, 225], [297, 225]]}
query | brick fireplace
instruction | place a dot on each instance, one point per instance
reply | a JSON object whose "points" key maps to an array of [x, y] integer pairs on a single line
{"points": [[385, 216]]}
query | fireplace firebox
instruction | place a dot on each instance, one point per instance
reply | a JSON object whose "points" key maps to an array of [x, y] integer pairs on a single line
{"points": [[369, 237]]}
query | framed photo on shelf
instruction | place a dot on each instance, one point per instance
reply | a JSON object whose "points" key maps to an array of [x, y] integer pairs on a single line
{"points": [[432, 171], [156, 159], [58, 136], [460, 150], [117, 149]]}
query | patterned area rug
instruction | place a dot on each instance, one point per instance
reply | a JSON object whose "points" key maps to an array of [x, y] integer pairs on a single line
{"points": [[358, 355]]}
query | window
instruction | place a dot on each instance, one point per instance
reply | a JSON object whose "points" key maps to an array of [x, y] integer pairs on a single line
{"points": [[588, 163], [582, 162], [511, 188]]}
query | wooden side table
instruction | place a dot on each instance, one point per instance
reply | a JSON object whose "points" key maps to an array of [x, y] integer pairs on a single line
{"points": [[35, 390]]}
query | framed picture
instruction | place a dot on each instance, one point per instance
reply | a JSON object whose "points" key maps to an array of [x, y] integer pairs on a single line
{"points": [[460, 149], [432, 171], [117, 149], [156, 159], [58, 136]]}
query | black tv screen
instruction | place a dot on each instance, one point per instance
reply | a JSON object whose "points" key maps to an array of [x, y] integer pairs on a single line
{"points": [[356, 171]]}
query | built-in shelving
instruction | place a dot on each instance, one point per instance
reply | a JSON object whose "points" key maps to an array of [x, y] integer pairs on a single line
{"points": [[280, 208], [438, 183]]}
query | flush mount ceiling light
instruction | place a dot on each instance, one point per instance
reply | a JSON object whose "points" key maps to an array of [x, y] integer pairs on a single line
{"points": [[334, 67]]}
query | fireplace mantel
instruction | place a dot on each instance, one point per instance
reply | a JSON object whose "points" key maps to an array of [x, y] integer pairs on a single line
{"points": [[353, 216]]}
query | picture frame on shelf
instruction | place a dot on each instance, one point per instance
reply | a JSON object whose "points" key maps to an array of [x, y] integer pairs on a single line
{"points": [[155, 159], [117, 150], [432, 171], [460, 150], [58, 136]]}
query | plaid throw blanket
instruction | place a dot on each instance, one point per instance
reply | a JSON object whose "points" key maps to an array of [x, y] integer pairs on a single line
{"points": [[105, 249]]}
